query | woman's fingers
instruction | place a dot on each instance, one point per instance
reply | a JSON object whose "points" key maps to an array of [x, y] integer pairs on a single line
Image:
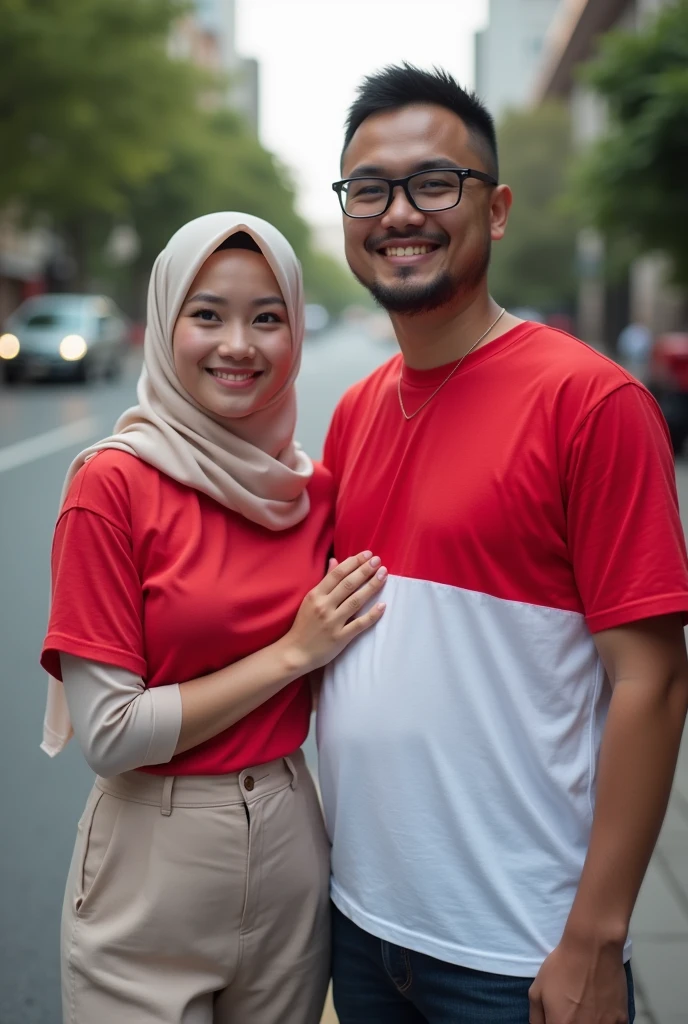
{"points": [[329, 614], [364, 593], [342, 571], [354, 580], [363, 622]]}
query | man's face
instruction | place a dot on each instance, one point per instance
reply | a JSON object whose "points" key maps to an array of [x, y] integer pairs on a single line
{"points": [[392, 145]]}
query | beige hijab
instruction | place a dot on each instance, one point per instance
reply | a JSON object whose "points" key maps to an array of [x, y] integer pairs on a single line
{"points": [[251, 465]]}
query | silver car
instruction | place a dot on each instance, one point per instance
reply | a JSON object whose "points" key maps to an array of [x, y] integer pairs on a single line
{"points": [[78, 337]]}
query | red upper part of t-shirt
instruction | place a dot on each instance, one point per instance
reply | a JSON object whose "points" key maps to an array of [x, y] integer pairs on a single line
{"points": [[540, 473], [157, 578]]}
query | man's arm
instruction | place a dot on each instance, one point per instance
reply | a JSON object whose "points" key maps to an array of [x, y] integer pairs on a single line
{"points": [[647, 666], [648, 669]]}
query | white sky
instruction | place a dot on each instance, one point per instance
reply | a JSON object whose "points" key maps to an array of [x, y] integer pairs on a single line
{"points": [[313, 54]]}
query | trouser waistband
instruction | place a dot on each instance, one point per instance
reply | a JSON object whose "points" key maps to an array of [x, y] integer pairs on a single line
{"points": [[168, 791]]}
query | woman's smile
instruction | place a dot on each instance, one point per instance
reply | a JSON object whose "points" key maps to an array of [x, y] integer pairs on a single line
{"points": [[235, 379]]}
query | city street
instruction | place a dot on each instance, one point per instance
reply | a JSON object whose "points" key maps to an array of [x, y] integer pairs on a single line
{"points": [[41, 428]]}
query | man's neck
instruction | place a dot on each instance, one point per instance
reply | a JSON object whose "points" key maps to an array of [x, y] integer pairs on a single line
{"points": [[446, 334]]}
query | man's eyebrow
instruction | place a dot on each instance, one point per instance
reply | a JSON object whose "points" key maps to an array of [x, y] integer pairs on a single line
{"points": [[366, 169], [373, 171], [214, 300]]}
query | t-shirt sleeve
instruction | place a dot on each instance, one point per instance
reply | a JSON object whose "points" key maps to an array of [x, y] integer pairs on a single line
{"points": [[97, 601], [624, 530]]}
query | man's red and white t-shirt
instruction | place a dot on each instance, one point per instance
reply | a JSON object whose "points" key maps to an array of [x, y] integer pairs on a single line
{"points": [[531, 504]]}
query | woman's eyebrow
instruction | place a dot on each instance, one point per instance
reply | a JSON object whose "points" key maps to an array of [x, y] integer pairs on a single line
{"points": [[216, 300], [269, 300]]}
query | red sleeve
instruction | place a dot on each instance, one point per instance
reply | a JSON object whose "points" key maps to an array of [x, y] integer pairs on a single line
{"points": [[97, 599], [624, 529]]}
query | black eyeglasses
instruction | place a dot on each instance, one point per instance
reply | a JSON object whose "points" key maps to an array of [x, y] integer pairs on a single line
{"points": [[439, 188]]}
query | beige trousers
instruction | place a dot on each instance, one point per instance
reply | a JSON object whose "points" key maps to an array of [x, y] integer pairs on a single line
{"points": [[199, 900]]}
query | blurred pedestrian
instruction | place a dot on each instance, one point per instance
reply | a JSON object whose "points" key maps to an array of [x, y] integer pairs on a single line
{"points": [[633, 347], [188, 605], [496, 757]]}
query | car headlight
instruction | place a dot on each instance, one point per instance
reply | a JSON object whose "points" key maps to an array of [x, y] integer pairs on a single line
{"points": [[73, 347], [9, 346]]}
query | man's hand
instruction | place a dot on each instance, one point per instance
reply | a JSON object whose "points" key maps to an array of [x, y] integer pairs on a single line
{"points": [[579, 984]]}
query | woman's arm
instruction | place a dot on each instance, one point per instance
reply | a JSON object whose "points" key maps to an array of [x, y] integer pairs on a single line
{"points": [[118, 722], [122, 725]]}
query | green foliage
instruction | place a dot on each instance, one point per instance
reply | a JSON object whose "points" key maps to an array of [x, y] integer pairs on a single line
{"points": [[534, 264], [88, 100], [632, 182], [329, 282], [216, 165], [220, 165], [99, 125]]}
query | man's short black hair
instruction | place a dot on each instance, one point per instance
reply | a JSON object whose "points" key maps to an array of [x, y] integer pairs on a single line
{"points": [[398, 86]]}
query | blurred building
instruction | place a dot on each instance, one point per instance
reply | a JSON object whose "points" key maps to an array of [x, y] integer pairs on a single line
{"points": [[508, 52], [31, 261], [207, 36], [644, 296]]}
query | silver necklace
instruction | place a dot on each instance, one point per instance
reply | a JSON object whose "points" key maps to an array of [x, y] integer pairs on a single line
{"points": [[449, 375]]}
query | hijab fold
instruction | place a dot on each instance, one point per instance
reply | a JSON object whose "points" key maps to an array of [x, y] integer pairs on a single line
{"points": [[251, 465]]}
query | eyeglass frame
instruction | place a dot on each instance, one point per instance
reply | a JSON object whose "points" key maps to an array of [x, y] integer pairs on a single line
{"points": [[393, 183]]}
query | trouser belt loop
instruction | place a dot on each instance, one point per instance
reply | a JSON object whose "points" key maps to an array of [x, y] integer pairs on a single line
{"points": [[166, 798], [294, 774]]}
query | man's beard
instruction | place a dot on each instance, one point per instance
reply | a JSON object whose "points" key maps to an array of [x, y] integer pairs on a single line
{"points": [[409, 299]]}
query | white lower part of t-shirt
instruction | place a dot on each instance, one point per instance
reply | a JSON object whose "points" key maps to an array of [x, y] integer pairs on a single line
{"points": [[458, 743]]}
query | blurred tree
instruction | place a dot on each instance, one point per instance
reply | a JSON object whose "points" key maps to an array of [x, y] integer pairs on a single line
{"points": [[631, 183], [331, 283], [100, 125], [215, 165], [534, 264], [89, 98], [220, 165]]}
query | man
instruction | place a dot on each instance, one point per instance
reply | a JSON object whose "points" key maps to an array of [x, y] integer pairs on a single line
{"points": [[496, 756]]}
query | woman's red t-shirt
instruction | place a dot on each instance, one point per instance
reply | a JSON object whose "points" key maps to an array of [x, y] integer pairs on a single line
{"points": [[157, 578]]}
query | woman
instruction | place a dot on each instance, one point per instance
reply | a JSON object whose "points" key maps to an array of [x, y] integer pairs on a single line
{"points": [[188, 606]]}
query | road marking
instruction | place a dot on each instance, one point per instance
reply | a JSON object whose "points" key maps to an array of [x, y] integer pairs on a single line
{"points": [[37, 447]]}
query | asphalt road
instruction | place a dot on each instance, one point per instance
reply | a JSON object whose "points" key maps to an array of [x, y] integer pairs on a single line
{"points": [[42, 427]]}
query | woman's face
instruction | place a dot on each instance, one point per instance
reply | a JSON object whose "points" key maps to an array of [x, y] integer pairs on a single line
{"points": [[232, 342]]}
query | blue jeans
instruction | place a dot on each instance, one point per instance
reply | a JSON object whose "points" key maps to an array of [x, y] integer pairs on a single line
{"points": [[376, 982]]}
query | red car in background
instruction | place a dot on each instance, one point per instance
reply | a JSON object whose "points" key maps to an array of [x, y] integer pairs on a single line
{"points": [[667, 379]]}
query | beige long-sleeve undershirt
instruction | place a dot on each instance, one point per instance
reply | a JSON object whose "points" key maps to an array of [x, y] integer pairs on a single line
{"points": [[119, 723]]}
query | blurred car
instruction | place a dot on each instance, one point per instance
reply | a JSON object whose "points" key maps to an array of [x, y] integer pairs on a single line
{"points": [[667, 379], [77, 337]]}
